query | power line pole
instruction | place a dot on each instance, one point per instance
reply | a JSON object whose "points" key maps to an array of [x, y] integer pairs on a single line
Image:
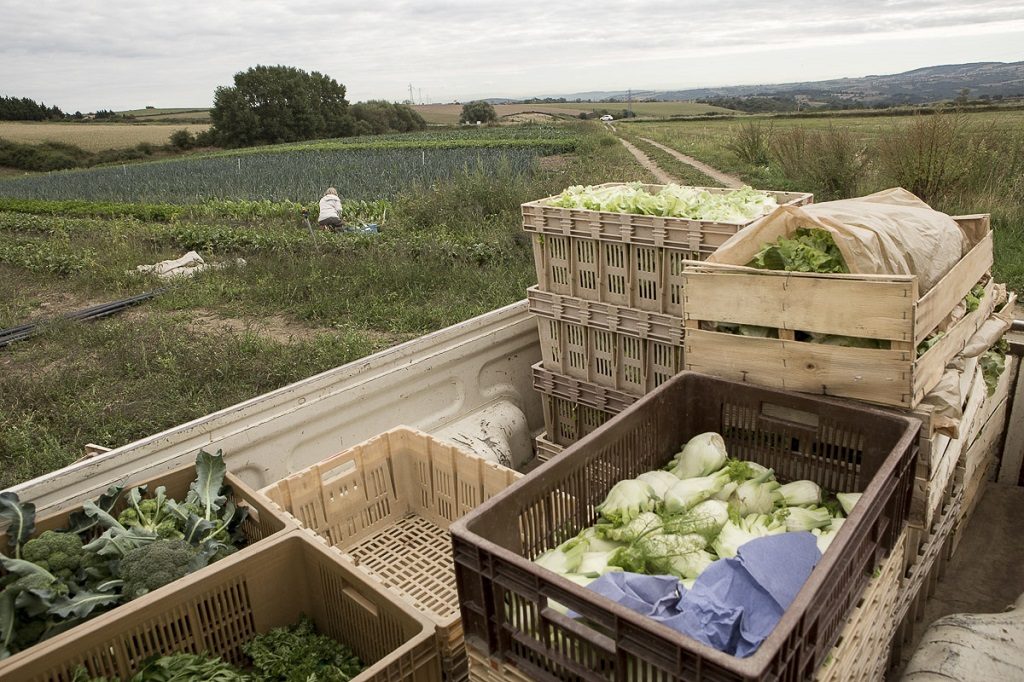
{"points": [[411, 100]]}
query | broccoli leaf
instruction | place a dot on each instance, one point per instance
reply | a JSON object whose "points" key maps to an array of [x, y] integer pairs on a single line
{"points": [[81, 523], [83, 603], [118, 541], [6, 622], [20, 517], [205, 490]]}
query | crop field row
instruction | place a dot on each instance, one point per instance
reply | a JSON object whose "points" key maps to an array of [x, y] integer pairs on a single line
{"points": [[296, 176], [93, 136]]}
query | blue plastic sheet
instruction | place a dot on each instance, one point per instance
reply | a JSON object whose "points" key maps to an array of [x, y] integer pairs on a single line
{"points": [[735, 603]]}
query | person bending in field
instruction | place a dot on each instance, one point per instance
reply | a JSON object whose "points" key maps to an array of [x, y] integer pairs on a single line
{"points": [[330, 210]]}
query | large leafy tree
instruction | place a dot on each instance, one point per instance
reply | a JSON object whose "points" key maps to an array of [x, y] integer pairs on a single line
{"points": [[478, 111], [271, 104]]}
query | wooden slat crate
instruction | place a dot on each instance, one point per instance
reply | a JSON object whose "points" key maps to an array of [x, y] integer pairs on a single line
{"points": [[628, 260], [887, 308], [931, 493], [862, 651]]}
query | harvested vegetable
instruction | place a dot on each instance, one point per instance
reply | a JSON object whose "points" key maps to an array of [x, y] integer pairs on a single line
{"points": [[648, 526], [672, 201], [66, 576], [806, 250], [993, 364]]}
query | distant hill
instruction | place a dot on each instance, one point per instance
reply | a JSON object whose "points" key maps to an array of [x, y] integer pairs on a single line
{"points": [[928, 84]]}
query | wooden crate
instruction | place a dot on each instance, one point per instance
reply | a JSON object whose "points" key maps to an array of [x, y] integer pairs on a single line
{"points": [[931, 493], [865, 639], [888, 308], [623, 259]]}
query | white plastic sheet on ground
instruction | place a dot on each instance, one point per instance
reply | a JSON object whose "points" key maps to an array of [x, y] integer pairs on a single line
{"points": [[188, 265], [891, 232]]}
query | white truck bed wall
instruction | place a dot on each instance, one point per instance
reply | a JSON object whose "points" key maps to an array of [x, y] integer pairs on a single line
{"points": [[429, 383]]}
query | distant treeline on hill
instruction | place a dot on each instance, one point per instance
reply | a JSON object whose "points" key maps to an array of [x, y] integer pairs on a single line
{"points": [[25, 109]]}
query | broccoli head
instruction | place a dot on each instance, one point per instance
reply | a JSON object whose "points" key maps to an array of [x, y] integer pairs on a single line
{"points": [[59, 553], [146, 568], [152, 514], [39, 581]]}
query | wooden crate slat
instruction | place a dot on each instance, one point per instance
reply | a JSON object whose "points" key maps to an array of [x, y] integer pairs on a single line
{"points": [[935, 305], [875, 309]]}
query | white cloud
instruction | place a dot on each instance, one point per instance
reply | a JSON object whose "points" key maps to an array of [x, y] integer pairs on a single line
{"points": [[119, 54]]}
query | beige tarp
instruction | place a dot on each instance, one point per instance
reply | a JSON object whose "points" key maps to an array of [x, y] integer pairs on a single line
{"points": [[891, 232]]}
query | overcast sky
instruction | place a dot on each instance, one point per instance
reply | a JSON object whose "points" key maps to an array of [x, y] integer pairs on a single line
{"points": [[125, 54]]}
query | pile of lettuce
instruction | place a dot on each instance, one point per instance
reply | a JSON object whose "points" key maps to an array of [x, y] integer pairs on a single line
{"points": [[672, 201], [806, 250], [702, 507]]}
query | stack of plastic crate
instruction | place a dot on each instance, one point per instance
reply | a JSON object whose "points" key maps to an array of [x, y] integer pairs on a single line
{"points": [[609, 306]]}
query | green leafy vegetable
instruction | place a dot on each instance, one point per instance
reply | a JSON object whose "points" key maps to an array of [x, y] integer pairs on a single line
{"points": [[672, 201], [20, 518], [299, 654], [993, 364], [806, 250]]}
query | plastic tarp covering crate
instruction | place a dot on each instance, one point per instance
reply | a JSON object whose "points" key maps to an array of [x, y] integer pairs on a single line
{"points": [[386, 504], [217, 612], [624, 259], [263, 521], [843, 447]]}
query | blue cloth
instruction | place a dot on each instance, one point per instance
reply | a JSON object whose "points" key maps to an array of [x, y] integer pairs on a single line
{"points": [[735, 603]]}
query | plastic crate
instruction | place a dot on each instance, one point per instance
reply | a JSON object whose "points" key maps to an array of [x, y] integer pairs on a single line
{"points": [[574, 408], [614, 360], [881, 307], [216, 612], [865, 639], [545, 449], [386, 504], [262, 522], [504, 595], [628, 260]]}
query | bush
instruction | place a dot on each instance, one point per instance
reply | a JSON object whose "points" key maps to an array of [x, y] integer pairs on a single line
{"points": [[831, 162], [183, 139], [931, 156], [481, 111], [751, 143]]}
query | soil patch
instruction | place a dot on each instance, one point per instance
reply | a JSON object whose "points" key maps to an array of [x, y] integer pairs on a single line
{"points": [[275, 327]]}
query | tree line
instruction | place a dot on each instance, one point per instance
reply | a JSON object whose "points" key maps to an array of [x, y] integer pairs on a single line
{"points": [[25, 109]]}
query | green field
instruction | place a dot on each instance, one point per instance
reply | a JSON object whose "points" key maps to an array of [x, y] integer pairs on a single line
{"points": [[452, 247], [448, 114], [360, 167], [193, 115], [299, 306]]}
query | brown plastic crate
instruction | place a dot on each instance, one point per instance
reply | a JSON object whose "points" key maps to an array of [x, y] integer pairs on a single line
{"points": [[623, 259], [386, 504], [841, 446], [882, 307], [247, 594], [567, 421], [262, 522]]}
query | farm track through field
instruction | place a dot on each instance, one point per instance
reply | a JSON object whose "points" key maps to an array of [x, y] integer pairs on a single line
{"points": [[724, 178], [648, 163]]}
